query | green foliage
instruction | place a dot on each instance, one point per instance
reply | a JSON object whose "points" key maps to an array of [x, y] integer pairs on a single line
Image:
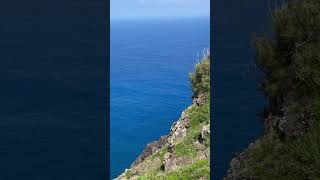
{"points": [[307, 149], [187, 147], [198, 115], [160, 153], [294, 160], [291, 64], [307, 152], [196, 170], [273, 160], [200, 78], [128, 174], [291, 59]]}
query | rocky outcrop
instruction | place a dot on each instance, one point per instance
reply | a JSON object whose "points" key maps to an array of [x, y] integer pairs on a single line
{"points": [[150, 149], [287, 121], [205, 133], [179, 129], [291, 122], [148, 161], [287, 126], [172, 162], [237, 163], [200, 99], [289, 60], [185, 151]]}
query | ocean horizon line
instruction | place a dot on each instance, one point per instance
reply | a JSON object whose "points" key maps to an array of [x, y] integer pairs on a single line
{"points": [[165, 18]]}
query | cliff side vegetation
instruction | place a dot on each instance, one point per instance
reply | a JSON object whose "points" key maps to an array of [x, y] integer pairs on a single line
{"points": [[290, 60], [200, 78], [185, 152]]}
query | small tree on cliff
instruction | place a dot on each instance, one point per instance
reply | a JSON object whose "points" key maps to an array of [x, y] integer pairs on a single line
{"points": [[200, 78], [290, 59]]}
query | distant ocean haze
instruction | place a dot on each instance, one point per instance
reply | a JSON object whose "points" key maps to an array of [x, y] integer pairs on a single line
{"points": [[150, 64]]}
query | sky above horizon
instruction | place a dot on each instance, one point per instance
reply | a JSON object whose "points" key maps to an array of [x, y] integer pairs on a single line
{"points": [[149, 9]]}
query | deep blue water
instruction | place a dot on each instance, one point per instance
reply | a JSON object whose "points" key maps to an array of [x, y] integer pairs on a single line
{"points": [[53, 75], [236, 98], [150, 62]]}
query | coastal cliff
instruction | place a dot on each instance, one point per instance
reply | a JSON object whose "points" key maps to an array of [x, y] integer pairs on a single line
{"points": [[185, 152], [290, 61]]}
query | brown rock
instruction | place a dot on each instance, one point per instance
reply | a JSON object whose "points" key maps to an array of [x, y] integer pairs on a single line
{"points": [[205, 133], [172, 162], [150, 150]]}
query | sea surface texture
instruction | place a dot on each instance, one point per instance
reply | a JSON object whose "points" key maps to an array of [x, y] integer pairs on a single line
{"points": [[150, 63], [236, 96]]}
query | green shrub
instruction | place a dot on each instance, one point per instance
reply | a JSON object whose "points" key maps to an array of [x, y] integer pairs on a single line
{"points": [[200, 78], [295, 160], [291, 58], [199, 115], [128, 174], [199, 169], [196, 170], [290, 61]]}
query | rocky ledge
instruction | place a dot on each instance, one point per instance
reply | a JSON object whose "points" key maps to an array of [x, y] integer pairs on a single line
{"points": [[185, 152], [284, 124], [161, 156]]}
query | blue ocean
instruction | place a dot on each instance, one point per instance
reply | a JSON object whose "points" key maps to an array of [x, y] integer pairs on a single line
{"points": [[150, 63]]}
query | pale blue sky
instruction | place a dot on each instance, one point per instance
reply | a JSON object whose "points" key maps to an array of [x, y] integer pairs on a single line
{"points": [[146, 9]]}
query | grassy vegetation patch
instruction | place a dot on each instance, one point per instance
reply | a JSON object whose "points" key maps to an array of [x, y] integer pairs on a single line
{"points": [[290, 61], [160, 153], [200, 78], [186, 147], [295, 160], [270, 160], [199, 115], [196, 170], [128, 174], [290, 58]]}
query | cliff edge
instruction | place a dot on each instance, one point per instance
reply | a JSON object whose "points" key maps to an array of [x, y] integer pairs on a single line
{"points": [[290, 61], [185, 152]]}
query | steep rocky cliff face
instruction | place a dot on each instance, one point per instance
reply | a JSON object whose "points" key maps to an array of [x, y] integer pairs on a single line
{"points": [[277, 155], [290, 60], [185, 152]]}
